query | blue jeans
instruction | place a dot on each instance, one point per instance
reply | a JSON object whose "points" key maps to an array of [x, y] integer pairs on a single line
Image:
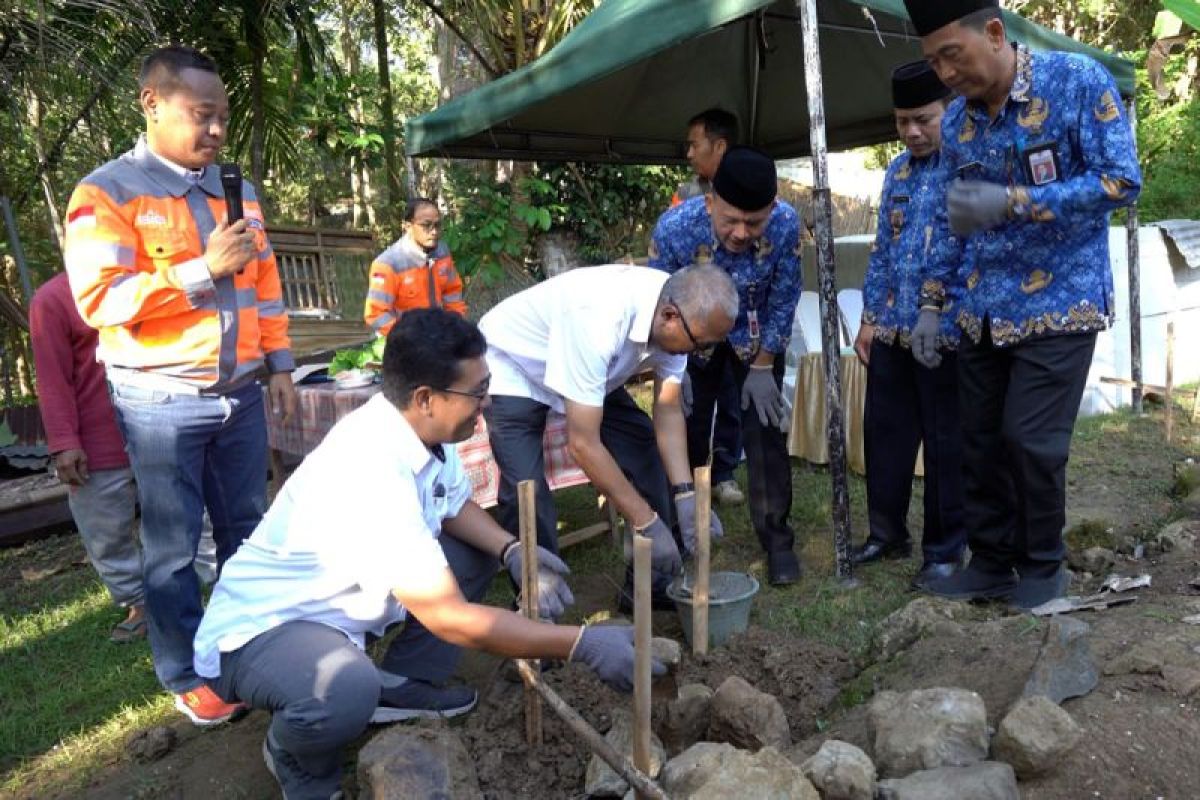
{"points": [[190, 453]]}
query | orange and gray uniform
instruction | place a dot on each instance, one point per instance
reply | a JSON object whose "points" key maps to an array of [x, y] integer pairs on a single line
{"points": [[405, 276], [135, 239]]}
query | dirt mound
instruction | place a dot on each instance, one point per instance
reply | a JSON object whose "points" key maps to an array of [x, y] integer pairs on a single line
{"points": [[805, 676]]}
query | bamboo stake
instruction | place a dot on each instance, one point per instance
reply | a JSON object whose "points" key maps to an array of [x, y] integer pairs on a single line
{"points": [[527, 515], [1168, 396], [641, 653], [639, 780], [1133, 256], [703, 481]]}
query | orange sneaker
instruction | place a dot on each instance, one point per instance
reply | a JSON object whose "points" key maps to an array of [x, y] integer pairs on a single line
{"points": [[203, 707]]}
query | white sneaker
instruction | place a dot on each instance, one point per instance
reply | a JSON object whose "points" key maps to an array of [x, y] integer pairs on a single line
{"points": [[727, 493]]}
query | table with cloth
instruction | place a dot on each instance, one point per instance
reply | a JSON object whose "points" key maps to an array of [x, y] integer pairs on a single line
{"points": [[319, 407], [808, 437]]}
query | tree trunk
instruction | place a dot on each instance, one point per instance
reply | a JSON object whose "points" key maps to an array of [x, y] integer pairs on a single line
{"points": [[39, 148], [258, 120], [395, 190], [361, 210]]}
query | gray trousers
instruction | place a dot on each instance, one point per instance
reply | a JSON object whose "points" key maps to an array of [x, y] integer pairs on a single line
{"points": [[104, 509], [105, 512], [321, 689]]}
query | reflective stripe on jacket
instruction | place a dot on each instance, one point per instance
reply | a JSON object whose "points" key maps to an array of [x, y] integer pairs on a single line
{"points": [[135, 238], [404, 276]]}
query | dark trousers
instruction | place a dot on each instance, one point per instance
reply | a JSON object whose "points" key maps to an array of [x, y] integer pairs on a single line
{"points": [[767, 465], [417, 653], [1019, 406], [516, 426], [908, 404], [726, 430]]}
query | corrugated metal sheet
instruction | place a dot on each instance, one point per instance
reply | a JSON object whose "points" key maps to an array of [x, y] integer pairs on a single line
{"points": [[1185, 234]]}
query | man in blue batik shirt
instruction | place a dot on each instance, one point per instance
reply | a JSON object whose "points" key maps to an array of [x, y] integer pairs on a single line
{"points": [[1037, 154], [742, 228], [908, 404]]}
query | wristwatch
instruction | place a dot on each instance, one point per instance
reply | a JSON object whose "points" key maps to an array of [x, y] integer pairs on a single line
{"points": [[682, 488]]}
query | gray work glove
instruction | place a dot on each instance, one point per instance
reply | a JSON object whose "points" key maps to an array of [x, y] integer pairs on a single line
{"points": [[976, 206], [665, 561], [760, 388], [608, 650], [685, 394], [553, 593], [924, 339], [685, 508]]}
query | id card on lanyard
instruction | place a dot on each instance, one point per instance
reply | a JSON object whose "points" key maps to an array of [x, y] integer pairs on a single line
{"points": [[752, 312]]}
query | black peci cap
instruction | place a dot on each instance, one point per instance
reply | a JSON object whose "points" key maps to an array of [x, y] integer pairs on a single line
{"points": [[930, 15], [746, 178], [915, 84]]}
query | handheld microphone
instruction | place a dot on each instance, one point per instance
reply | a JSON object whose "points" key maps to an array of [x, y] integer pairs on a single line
{"points": [[231, 182]]}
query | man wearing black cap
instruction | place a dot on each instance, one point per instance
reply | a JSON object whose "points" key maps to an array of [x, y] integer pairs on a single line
{"points": [[743, 229], [1038, 153], [906, 403]]}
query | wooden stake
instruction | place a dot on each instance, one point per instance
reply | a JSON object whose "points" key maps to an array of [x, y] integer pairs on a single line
{"points": [[639, 780], [1168, 396], [703, 481], [527, 516], [1133, 256], [641, 652]]}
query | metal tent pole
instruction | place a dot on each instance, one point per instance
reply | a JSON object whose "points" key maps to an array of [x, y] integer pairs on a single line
{"points": [[1133, 254], [823, 210]]}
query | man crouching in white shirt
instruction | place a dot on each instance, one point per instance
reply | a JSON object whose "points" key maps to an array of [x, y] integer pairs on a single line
{"points": [[569, 345], [376, 524]]}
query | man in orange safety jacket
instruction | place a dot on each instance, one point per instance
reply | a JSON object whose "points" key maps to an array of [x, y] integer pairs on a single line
{"points": [[189, 312], [415, 272]]}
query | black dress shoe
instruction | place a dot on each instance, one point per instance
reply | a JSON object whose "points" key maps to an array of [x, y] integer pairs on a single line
{"points": [[972, 583], [874, 550], [933, 571], [1031, 592], [783, 568]]}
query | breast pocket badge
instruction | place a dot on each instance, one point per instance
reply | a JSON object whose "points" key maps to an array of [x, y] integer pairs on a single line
{"points": [[1042, 165]]}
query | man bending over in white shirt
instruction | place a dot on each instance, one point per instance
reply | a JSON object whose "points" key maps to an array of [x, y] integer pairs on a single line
{"points": [[376, 524], [569, 345]]}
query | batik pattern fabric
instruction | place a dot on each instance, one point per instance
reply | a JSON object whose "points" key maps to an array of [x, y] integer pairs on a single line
{"points": [[1063, 146], [767, 274], [914, 190]]}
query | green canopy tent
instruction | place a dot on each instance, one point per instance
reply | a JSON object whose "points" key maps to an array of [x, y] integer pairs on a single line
{"points": [[619, 87]]}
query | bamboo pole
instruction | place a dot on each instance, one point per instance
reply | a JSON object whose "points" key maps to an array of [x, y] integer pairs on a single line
{"points": [[823, 223], [527, 511], [1169, 395], [641, 653], [703, 480], [639, 780]]}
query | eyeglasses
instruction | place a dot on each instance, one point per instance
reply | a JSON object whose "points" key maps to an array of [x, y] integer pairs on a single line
{"points": [[475, 394], [704, 350], [429, 227]]}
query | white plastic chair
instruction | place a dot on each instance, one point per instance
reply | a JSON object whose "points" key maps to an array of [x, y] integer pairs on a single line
{"points": [[850, 304], [808, 315]]}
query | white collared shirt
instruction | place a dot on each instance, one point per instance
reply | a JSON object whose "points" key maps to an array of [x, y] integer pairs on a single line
{"points": [[359, 517], [188, 174], [578, 336]]}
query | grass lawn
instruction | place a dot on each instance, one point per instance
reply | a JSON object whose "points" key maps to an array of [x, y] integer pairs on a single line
{"points": [[70, 699]]}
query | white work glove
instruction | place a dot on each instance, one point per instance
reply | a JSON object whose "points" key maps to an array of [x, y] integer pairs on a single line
{"points": [[553, 593], [760, 388], [685, 509], [924, 339], [685, 394], [976, 206]]}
